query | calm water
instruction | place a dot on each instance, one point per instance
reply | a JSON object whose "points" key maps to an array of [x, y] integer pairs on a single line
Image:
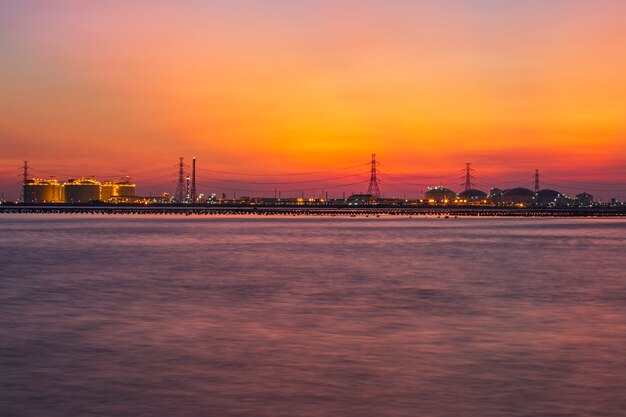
{"points": [[194, 316]]}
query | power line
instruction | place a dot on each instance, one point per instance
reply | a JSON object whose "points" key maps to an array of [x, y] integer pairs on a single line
{"points": [[296, 190], [582, 182], [404, 182], [281, 174], [283, 182], [468, 176], [572, 187]]}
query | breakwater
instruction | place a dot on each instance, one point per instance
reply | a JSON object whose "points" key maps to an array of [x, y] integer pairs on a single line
{"points": [[318, 211]]}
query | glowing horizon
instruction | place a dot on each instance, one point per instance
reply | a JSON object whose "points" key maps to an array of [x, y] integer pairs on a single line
{"points": [[274, 86]]}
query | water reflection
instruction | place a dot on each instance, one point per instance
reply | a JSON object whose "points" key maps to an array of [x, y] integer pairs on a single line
{"points": [[312, 317]]}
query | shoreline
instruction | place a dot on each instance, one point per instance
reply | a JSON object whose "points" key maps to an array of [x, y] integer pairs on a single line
{"points": [[319, 211]]}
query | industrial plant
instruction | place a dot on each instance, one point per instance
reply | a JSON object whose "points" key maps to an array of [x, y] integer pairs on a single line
{"points": [[84, 190]]}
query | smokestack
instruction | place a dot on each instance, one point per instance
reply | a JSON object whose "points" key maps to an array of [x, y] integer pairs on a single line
{"points": [[188, 190], [193, 180]]}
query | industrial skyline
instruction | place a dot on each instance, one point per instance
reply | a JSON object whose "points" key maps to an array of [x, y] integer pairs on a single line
{"points": [[273, 86], [188, 182]]}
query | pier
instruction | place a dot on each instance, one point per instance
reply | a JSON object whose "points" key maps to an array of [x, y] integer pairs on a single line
{"points": [[315, 211]]}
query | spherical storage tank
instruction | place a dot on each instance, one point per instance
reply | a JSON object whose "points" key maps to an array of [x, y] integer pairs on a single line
{"points": [[439, 195], [473, 195], [83, 190], [548, 197], [519, 195]]}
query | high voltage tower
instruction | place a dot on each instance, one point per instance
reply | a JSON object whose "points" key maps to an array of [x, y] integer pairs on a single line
{"points": [[536, 188], [180, 189], [186, 189], [373, 188], [468, 176]]}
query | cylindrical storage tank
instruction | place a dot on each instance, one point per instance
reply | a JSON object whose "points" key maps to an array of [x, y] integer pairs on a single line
{"points": [[30, 191], [120, 188], [42, 191], [125, 189], [81, 191], [106, 191]]}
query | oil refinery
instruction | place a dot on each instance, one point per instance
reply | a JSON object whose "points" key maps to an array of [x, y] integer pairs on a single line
{"points": [[84, 190]]}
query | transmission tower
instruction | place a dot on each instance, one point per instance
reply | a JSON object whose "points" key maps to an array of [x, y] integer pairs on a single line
{"points": [[180, 190], [468, 176], [193, 180], [537, 188], [25, 175], [373, 189]]}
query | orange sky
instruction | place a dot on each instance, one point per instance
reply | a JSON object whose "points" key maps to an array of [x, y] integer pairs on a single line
{"points": [[282, 86]]}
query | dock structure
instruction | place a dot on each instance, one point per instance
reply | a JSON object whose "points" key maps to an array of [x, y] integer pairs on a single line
{"points": [[186, 210]]}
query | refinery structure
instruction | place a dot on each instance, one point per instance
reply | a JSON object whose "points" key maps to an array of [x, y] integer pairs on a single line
{"points": [[85, 190]]}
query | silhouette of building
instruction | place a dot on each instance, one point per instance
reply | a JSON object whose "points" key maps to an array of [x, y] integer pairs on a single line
{"points": [[585, 199], [518, 195]]}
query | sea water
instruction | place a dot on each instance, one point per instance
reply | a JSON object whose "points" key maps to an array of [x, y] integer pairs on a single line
{"points": [[311, 316]]}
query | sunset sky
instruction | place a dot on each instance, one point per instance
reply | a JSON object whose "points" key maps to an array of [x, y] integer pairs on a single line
{"points": [[122, 87]]}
